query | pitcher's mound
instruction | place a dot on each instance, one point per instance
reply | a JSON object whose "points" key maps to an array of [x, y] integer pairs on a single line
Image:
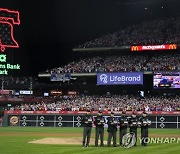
{"points": [[77, 141]]}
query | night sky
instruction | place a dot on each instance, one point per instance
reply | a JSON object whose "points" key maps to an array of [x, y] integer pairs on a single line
{"points": [[50, 29]]}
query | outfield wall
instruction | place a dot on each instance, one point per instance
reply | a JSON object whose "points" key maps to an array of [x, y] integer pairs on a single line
{"points": [[73, 119]]}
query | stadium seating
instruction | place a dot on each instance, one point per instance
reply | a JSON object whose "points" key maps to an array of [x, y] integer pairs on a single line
{"points": [[156, 62], [159, 31], [113, 103]]}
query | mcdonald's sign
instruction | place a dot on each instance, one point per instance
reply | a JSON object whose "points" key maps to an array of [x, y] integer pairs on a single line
{"points": [[173, 46], [134, 48], [154, 47]]}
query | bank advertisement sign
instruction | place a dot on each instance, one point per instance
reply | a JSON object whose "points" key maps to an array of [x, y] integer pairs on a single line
{"points": [[128, 78], [5, 66]]}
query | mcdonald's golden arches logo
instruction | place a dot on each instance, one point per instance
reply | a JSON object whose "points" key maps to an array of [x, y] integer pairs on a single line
{"points": [[172, 46], [134, 48]]}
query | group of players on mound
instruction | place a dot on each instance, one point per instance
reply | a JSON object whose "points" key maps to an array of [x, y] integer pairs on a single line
{"points": [[113, 122]]}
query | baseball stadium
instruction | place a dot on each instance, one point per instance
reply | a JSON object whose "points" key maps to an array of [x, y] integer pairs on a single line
{"points": [[89, 76]]}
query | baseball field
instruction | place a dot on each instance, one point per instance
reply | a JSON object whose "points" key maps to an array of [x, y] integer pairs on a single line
{"points": [[32, 140]]}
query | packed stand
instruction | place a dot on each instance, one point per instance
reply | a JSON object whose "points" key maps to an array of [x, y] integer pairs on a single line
{"points": [[113, 103], [157, 62], [164, 62], [159, 31], [104, 64]]}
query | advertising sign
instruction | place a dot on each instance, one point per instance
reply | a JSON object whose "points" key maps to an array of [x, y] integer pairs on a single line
{"points": [[154, 47], [26, 92], [128, 78], [5, 66]]}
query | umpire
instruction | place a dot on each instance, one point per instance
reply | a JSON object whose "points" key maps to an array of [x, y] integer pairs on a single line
{"points": [[99, 123], [144, 128], [112, 129], [133, 125], [87, 123], [123, 122]]}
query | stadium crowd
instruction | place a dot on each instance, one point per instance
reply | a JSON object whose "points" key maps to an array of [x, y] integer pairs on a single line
{"points": [[113, 103], [104, 64], [159, 31], [164, 62], [157, 62]]}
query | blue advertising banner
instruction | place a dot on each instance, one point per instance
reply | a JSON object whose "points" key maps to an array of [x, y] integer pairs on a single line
{"points": [[128, 78]]}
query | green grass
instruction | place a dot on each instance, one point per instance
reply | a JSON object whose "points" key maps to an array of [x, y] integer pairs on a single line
{"points": [[14, 140]]}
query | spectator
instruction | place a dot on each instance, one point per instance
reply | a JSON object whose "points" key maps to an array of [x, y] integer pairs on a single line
{"points": [[113, 103]]}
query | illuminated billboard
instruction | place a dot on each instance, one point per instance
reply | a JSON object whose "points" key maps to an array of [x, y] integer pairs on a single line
{"points": [[8, 18], [128, 78], [168, 80], [5, 66], [154, 47]]}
